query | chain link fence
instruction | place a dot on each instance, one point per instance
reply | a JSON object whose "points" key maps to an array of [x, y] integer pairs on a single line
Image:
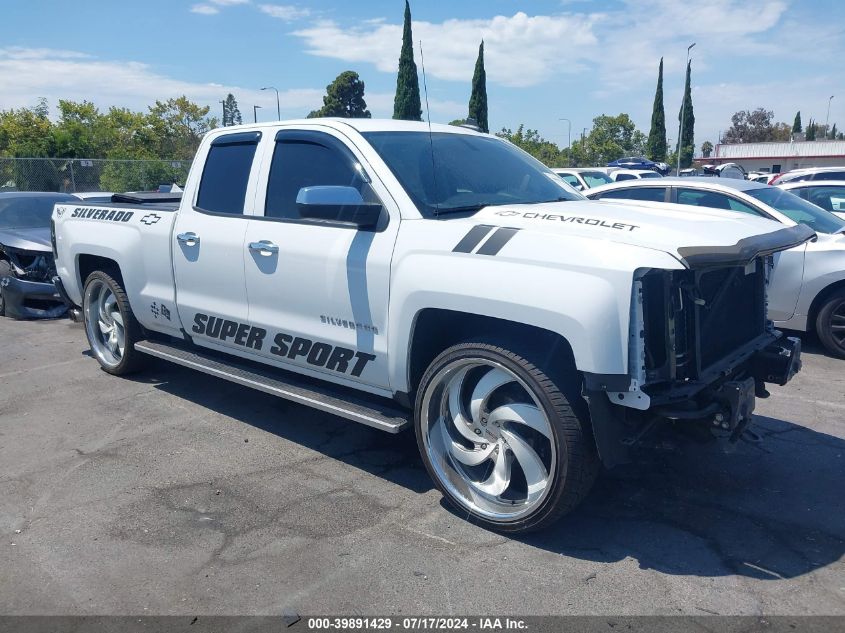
{"points": [[96, 174]]}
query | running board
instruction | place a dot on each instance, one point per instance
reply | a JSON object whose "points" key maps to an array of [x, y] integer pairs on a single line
{"points": [[339, 401]]}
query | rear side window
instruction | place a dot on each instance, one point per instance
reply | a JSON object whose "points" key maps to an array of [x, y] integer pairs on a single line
{"points": [[621, 177], [650, 194], [226, 173], [309, 159], [829, 175], [714, 200], [570, 180]]}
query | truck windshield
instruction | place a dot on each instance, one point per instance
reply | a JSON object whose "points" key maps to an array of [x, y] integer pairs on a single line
{"points": [[450, 173], [799, 210]]}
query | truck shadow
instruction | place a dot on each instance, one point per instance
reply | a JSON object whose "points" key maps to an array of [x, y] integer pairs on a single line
{"points": [[769, 510]]}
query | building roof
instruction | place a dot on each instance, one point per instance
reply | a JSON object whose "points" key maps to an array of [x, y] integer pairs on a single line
{"points": [[793, 149]]}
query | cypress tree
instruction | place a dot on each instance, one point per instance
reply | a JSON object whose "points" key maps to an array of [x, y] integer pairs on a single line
{"points": [[796, 126], [406, 104], [478, 98], [688, 131], [833, 132], [811, 131], [656, 146]]}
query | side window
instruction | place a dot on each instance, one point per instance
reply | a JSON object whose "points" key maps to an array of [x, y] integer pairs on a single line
{"points": [[714, 200], [829, 175], [621, 177], [307, 159], [226, 173], [650, 194], [570, 180]]}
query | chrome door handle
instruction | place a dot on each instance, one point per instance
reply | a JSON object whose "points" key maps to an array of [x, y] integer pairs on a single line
{"points": [[265, 247], [188, 239]]}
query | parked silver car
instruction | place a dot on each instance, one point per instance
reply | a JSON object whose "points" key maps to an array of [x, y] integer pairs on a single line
{"points": [[807, 291]]}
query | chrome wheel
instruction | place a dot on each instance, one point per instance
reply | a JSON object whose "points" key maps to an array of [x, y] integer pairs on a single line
{"points": [[488, 439], [104, 323]]}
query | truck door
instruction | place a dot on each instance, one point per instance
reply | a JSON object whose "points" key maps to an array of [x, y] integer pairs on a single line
{"points": [[320, 289], [208, 245]]}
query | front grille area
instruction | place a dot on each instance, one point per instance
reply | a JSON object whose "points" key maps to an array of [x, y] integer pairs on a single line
{"points": [[694, 319]]}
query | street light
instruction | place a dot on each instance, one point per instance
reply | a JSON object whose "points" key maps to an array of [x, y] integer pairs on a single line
{"points": [[278, 107], [568, 142], [255, 113], [683, 101], [827, 118]]}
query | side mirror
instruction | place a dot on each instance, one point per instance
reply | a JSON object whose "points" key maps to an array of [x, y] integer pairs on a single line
{"points": [[337, 204]]}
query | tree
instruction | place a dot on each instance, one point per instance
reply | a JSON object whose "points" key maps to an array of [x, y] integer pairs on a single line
{"points": [[179, 125], [756, 127], [231, 113], [796, 125], [406, 103], [478, 98], [811, 131], [687, 117], [344, 98], [706, 149], [531, 142], [656, 147], [610, 138]]}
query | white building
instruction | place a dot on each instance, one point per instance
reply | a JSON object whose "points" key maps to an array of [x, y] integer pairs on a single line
{"points": [[780, 156]]}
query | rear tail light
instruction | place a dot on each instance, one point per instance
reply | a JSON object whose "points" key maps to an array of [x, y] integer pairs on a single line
{"points": [[774, 179]]}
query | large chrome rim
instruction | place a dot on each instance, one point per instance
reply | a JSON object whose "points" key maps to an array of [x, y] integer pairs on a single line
{"points": [[104, 323], [488, 439], [837, 324]]}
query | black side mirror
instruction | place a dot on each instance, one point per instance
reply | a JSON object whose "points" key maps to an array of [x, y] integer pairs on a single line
{"points": [[335, 204]]}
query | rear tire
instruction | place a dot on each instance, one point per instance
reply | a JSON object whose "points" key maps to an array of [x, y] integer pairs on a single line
{"points": [[830, 324], [110, 325], [500, 440]]}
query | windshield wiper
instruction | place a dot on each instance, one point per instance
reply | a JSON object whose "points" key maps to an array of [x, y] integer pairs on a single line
{"points": [[465, 209]]}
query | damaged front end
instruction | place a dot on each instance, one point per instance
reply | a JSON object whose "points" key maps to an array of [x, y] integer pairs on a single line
{"points": [[701, 350], [27, 289]]}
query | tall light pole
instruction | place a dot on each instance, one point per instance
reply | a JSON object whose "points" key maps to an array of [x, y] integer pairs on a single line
{"points": [[278, 107], [255, 113], [827, 118], [568, 142], [683, 103]]}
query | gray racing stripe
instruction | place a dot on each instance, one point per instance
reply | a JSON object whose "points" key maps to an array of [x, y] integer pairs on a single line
{"points": [[497, 241], [472, 239]]}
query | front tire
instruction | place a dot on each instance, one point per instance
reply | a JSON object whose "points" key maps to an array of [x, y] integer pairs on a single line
{"points": [[500, 439], [110, 325], [830, 324]]}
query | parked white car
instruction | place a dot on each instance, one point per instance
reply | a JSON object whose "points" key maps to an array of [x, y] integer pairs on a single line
{"points": [[582, 179], [618, 175], [808, 288], [827, 194], [810, 173]]}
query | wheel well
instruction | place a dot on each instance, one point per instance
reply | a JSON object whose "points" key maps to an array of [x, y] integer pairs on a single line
{"points": [[436, 329], [88, 264], [819, 301]]}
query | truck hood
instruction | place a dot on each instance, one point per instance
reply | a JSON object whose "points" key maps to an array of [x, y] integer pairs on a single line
{"points": [[37, 239], [696, 236]]}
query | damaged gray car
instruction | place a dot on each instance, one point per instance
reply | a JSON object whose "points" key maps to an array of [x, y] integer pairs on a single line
{"points": [[26, 255]]}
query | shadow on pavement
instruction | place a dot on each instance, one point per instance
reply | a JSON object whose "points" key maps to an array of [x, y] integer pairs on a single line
{"points": [[768, 510]]}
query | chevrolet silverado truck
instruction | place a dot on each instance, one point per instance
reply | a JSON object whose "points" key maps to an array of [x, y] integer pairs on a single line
{"points": [[403, 275]]}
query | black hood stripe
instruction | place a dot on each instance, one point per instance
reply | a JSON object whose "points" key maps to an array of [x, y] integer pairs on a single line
{"points": [[473, 238], [497, 241]]}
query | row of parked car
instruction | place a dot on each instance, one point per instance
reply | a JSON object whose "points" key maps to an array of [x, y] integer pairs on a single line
{"points": [[807, 292]]}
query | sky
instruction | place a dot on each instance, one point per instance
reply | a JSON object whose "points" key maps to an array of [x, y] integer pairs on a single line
{"points": [[546, 60]]}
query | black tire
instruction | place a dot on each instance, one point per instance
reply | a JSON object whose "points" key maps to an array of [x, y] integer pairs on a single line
{"points": [[130, 360], [830, 324], [5, 271], [577, 460]]}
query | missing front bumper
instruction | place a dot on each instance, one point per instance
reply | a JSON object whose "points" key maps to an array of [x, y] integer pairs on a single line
{"points": [[31, 299]]}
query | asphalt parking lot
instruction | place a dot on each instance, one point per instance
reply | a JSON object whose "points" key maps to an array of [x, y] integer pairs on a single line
{"points": [[177, 493]]}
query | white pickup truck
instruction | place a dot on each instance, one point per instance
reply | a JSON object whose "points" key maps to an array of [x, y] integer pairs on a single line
{"points": [[401, 275]]}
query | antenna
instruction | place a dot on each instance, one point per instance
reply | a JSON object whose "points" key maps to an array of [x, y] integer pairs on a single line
{"points": [[428, 118]]}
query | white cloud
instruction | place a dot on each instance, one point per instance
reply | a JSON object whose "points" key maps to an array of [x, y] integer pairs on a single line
{"points": [[286, 12], [27, 74], [204, 9], [228, 3], [520, 50]]}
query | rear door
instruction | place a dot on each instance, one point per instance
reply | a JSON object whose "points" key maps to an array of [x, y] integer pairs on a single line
{"points": [[320, 289], [208, 245]]}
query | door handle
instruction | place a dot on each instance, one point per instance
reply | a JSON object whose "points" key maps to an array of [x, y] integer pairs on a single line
{"points": [[265, 247], [188, 239]]}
